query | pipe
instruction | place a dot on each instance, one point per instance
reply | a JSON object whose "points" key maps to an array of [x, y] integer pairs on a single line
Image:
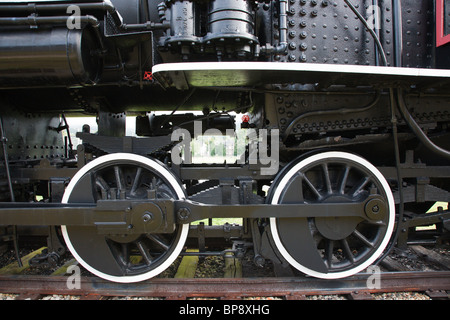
{"points": [[11, 190], [330, 112], [401, 207], [34, 21], [417, 130], [37, 8], [377, 18], [106, 6], [282, 22], [398, 31]]}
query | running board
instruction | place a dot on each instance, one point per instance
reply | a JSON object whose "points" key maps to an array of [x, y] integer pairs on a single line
{"points": [[251, 74]]}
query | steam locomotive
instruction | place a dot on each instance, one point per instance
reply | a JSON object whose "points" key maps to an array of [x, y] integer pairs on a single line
{"points": [[343, 105]]}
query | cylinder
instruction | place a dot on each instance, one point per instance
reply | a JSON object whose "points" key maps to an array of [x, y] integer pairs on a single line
{"points": [[48, 57], [231, 19], [182, 22]]}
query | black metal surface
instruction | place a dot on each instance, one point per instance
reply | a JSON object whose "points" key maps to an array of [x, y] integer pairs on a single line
{"points": [[418, 41], [327, 32], [48, 57], [55, 57], [446, 18], [301, 31]]}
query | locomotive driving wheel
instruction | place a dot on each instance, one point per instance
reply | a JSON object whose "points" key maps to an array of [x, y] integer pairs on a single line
{"points": [[334, 246], [123, 258]]}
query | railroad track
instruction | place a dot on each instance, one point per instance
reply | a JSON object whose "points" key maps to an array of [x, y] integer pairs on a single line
{"points": [[435, 283], [231, 286]]}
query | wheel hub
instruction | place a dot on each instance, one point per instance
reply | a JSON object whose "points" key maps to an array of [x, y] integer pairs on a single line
{"points": [[336, 228]]}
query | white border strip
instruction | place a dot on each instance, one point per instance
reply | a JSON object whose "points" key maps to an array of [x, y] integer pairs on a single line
{"points": [[300, 67]]}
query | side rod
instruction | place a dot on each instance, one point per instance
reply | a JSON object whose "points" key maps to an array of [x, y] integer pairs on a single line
{"points": [[134, 216]]}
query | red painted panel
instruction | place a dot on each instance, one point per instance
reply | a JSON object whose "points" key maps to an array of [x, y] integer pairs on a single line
{"points": [[441, 38]]}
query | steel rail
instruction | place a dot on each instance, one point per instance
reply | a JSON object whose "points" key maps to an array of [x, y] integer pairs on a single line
{"points": [[227, 288]]}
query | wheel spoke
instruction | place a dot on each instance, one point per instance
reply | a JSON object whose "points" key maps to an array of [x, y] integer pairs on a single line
{"points": [[120, 182], [125, 254], [120, 254], [357, 189], [344, 178], [347, 251], [144, 252], [312, 187], [329, 252], [136, 181], [101, 183], [361, 237], [156, 239], [326, 175], [379, 223]]}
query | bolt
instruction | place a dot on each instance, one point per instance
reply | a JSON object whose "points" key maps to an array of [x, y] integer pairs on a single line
{"points": [[375, 209], [184, 213], [259, 261], [147, 217]]}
